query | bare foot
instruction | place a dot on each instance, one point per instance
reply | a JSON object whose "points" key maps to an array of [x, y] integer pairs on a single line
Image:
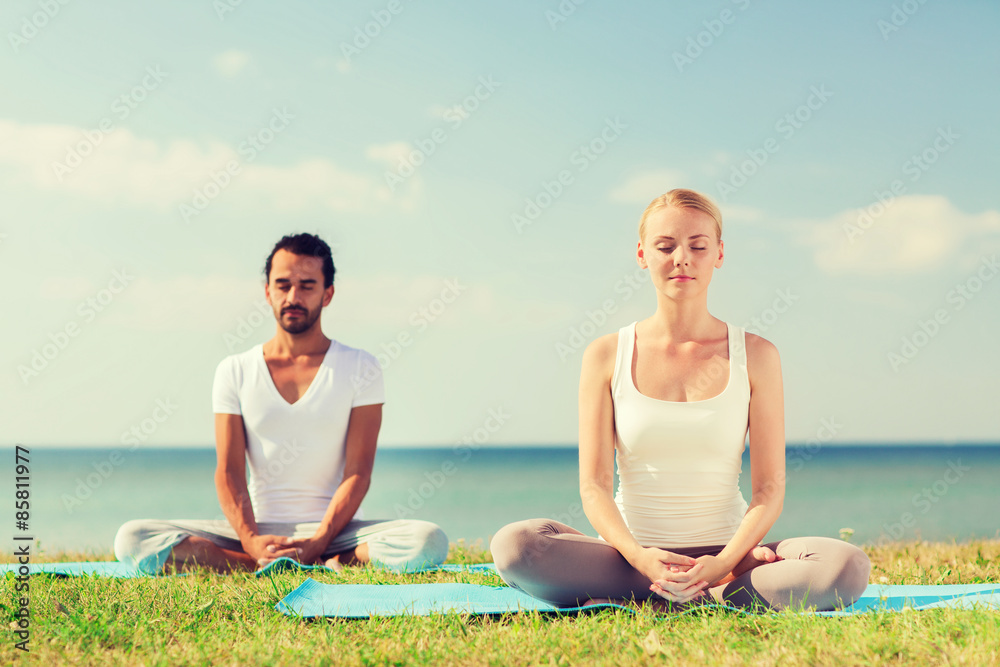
{"points": [[757, 556], [593, 601], [334, 563]]}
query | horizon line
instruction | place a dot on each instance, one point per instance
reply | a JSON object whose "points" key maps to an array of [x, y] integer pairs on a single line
{"points": [[474, 446]]}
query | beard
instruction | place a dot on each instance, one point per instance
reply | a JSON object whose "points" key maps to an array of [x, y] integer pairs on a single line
{"points": [[302, 323]]}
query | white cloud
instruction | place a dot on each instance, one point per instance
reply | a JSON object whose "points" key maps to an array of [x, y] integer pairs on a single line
{"points": [[211, 303], [454, 114], [231, 63], [716, 163], [121, 168], [388, 154], [66, 287], [386, 303], [391, 155], [732, 212], [913, 234], [645, 186]]}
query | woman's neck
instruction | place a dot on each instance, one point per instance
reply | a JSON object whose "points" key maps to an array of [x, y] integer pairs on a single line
{"points": [[681, 321]]}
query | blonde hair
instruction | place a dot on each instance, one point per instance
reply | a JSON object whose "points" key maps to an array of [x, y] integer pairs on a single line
{"points": [[682, 198]]}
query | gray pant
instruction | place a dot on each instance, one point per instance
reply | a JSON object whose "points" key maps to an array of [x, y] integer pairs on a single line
{"points": [[553, 562], [400, 545]]}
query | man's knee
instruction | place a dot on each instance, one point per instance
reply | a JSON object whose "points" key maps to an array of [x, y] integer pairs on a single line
{"points": [[430, 542], [128, 539], [409, 545], [146, 544]]}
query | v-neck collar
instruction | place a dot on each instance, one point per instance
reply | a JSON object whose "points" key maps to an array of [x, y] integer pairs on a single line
{"points": [[312, 384]]}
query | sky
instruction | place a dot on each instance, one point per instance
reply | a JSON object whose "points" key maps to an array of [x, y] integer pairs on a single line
{"points": [[479, 170]]}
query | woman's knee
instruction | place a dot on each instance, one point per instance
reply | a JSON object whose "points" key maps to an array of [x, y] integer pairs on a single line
{"points": [[845, 571], [518, 545], [854, 573]]}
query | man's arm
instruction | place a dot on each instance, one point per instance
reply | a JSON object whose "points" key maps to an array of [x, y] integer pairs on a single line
{"points": [[359, 460], [231, 486]]}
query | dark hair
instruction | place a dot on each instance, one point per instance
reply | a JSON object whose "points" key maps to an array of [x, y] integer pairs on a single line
{"points": [[304, 244]]}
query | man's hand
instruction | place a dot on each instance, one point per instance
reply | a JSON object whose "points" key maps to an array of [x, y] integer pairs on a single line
{"points": [[310, 550], [266, 548]]}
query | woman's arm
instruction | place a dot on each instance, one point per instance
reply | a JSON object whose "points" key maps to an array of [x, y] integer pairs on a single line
{"points": [[767, 449], [597, 448]]}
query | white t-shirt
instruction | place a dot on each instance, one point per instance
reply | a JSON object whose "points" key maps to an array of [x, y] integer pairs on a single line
{"points": [[295, 452]]}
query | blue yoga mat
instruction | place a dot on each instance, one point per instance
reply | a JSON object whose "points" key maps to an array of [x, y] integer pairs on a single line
{"points": [[120, 570], [313, 599], [880, 597], [286, 564], [98, 569]]}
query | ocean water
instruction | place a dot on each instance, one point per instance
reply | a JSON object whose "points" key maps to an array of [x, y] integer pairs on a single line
{"points": [[79, 497]]}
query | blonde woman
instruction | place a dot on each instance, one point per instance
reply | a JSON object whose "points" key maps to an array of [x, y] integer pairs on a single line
{"points": [[673, 397]]}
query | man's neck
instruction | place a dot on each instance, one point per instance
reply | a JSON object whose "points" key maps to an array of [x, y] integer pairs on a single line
{"points": [[308, 343]]}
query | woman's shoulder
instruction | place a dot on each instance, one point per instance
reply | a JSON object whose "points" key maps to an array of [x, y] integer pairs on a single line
{"points": [[762, 357], [758, 345], [602, 348], [600, 354]]}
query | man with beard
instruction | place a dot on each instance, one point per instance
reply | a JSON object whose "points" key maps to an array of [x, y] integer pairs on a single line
{"points": [[303, 413]]}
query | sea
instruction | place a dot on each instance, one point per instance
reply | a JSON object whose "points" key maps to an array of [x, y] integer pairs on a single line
{"points": [[868, 494]]}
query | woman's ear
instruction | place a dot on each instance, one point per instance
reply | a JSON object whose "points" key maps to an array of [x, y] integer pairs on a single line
{"points": [[640, 256], [718, 262]]}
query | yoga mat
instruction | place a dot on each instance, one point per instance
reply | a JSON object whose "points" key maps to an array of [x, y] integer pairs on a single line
{"points": [[313, 599], [119, 570], [883, 597], [286, 564], [98, 569]]}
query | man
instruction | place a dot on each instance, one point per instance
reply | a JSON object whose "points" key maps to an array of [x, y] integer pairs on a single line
{"points": [[304, 412]]}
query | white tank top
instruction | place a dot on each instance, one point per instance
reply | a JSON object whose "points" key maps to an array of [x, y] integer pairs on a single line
{"points": [[679, 463]]}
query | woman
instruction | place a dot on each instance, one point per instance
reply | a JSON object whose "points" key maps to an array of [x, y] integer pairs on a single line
{"points": [[675, 395]]}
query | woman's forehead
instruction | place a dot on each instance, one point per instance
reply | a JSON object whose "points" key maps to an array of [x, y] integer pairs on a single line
{"points": [[678, 222]]}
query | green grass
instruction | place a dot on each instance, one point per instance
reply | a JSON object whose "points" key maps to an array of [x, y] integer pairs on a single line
{"points": [[229, 620]]}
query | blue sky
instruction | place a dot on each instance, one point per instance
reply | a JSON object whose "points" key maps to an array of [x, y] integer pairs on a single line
{"points": [[497, 157]]}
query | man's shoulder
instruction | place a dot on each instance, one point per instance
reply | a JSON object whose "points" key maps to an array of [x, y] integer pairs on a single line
{"points": [[240, 359], [342, 352]]}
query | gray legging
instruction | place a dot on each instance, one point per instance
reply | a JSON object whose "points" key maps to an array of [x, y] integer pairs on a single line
{"points": [[553, 562]]}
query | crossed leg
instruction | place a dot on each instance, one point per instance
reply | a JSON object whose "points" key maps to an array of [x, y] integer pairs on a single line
{"points": [[560, 565], [193, 552]]}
